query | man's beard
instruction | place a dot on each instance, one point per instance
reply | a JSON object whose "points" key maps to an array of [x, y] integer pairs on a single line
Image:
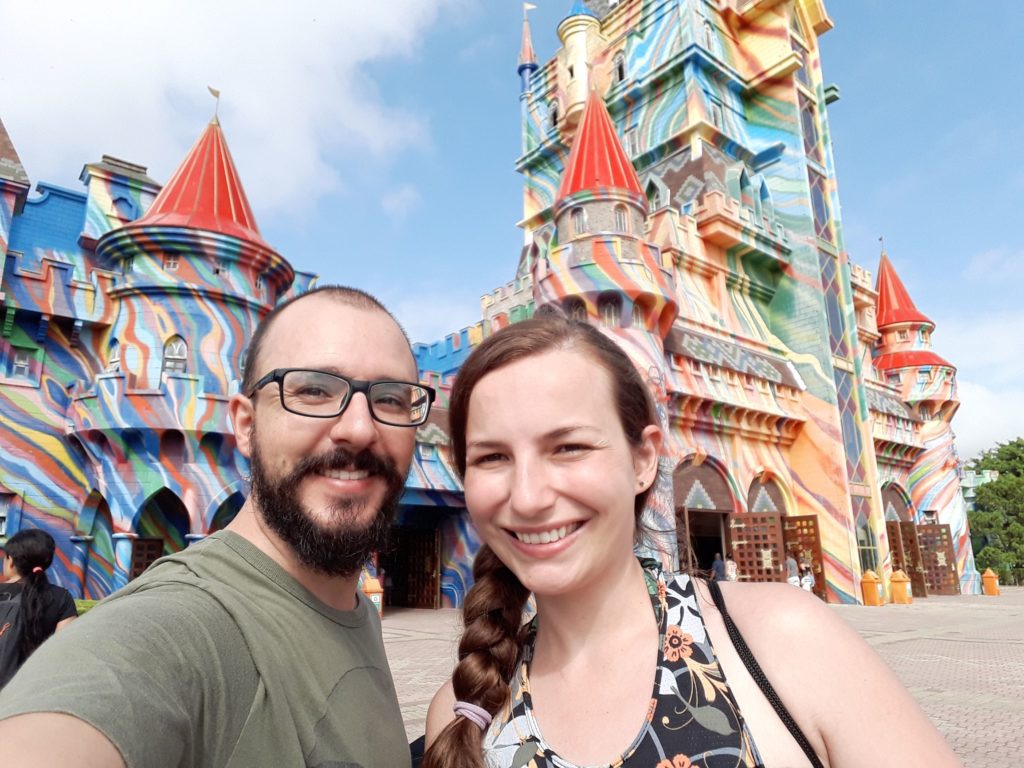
{"points": [[337, 548]]}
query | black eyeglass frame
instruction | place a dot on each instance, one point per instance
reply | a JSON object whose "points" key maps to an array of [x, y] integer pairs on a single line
{"points": [[354, 385]]}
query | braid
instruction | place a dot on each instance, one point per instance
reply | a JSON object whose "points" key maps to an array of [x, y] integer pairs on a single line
{"points": [[488, 651]]}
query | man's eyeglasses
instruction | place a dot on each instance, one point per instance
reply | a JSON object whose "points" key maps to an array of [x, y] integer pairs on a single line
{"points": [[323, 395]]}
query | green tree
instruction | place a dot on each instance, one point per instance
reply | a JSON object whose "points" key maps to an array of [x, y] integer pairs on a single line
{"points": [[997, 523]]}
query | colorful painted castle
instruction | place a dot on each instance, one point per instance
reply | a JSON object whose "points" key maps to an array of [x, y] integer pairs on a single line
{"points": [[679, 193]]}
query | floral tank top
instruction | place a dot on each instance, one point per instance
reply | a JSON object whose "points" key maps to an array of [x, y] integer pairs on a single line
{"points": [[692, 721]]}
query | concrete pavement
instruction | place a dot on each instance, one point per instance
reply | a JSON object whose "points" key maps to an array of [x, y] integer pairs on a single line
{"points": [[962, 658]]}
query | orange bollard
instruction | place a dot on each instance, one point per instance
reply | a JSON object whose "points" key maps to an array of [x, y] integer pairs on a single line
{"points": [[990, 582], [871, 589], [901, 591]]}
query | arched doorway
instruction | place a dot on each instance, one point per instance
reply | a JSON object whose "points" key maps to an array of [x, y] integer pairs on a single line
{"points": [[904, 547], [226, 511], [703, 503], [162, 527], [99, 564], [800, 534]]}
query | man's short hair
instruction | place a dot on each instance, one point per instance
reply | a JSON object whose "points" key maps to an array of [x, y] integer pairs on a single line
{"points": [[343, 294]]}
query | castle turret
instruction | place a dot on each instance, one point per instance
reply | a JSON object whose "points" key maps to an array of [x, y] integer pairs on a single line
{"points": [[527, 57], [576, 32], [197, 249], [905, 359]]}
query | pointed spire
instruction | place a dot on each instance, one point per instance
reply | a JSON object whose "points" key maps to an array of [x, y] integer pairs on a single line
{"points": [[11, 168], [580, 8], [206, 193], [597, 159], [894, 303], [527, 58]]}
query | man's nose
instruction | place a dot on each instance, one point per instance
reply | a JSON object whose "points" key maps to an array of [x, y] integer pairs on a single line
{"points": [[355, 426]]}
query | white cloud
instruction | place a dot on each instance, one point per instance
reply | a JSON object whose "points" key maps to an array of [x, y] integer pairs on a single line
{"points": [[986, 417], [986, 349], [996, 265], [80, 79], [401, 200]]}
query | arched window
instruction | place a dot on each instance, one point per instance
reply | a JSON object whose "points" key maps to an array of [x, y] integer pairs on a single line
{"points": [[175, 355], [709, 36], [610, 310], [553, 114], [621, 219], [575, 309], [579, 221], [114, 357], [619, 67], [653, 196]]}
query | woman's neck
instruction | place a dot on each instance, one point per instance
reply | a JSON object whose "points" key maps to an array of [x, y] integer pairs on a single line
{"points": [[616, 604]]}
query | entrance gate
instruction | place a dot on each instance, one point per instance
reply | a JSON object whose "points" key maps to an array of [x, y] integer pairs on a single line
{"points": [[938, 559], [757, 545], [413, 568], [906, 554], [800, 534]]}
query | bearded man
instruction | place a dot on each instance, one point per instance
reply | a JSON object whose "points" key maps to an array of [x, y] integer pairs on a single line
{"points": [[254, 647]]}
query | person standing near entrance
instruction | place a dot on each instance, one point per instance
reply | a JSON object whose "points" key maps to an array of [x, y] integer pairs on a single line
{"points": [[731, 569], [718, 568], [792, 569], [254, 646]]}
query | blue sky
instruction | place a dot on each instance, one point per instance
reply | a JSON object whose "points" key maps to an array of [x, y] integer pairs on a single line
{"points": [[377, 144]]}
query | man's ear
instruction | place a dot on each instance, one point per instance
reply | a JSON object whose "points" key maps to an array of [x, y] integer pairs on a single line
{"points": [[242, 414]]}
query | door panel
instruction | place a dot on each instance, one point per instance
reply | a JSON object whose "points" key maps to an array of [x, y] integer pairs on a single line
{"points": [[800, 533], [757, 545], [938, 560]]}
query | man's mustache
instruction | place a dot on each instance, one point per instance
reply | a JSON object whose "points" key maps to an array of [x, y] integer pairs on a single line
{"points": [[341, 459]]}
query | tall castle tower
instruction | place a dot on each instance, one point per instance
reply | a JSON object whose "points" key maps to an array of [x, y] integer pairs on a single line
{"points": [[904, 356]]}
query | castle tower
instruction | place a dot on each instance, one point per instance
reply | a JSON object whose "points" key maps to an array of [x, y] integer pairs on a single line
{"points": [[905, 359], [577, 31], [192, 278], [599, 267]]}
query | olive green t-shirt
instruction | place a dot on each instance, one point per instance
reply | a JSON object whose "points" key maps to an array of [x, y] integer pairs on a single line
{"points": [[217, 657]]}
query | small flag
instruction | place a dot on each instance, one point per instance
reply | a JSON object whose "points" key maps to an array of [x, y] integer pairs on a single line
{"points": [[213, 91], [528, 7]]}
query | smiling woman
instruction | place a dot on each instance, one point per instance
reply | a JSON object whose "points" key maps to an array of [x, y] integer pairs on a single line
{"points": [[623, 664]]}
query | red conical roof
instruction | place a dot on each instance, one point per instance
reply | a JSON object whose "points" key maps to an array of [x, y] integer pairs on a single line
{"points": [[597, 160], [894, 304], [206, 193]]}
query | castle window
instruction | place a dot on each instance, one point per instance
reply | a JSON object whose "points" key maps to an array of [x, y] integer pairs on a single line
{"points": [[638, 318], [171, 262], [114, 357], [923, 377], [619, 67], [709, 36], [261, 283], [123, 208], [610, 310], [902, 336], [219, 265], [21, 362], [894, 378], [5, 507], [579, 221], [575, 309], [819, 205], [553, 114], [653, 196], [175, 356], [128, 265], [632, 137], [809, 123], [621, 219], [925, 412], [715, 113], [572, 73]]}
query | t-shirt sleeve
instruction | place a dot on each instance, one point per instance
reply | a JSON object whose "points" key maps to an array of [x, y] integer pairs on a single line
{"points": [[65, 608], [163, 673]]}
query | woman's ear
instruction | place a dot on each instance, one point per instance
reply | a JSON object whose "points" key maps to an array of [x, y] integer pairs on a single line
{"points": [[645, 456]]}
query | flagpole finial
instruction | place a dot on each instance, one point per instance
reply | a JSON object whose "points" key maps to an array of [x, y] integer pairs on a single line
{"points": [[881, 240], [216, 105]]}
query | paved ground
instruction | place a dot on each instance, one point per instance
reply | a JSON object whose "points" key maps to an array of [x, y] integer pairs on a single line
{"points": [[961, 657]]}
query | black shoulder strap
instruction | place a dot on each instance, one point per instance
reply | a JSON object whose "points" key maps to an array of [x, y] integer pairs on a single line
{"points": [[759, 677]]}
